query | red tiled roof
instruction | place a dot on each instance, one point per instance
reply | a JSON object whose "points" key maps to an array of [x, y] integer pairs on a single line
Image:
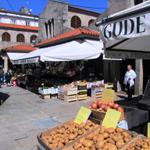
{"points": [[19, 27], [20, 48], [69, 34]]}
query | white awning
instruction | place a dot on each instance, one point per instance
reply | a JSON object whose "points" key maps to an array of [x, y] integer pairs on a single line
{"points": [[13, 56], [70, 51]]}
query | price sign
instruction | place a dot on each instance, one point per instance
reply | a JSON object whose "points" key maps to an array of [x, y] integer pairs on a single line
{"points": [[108, 95], [111, 118], [83, 115], [148, 130]]}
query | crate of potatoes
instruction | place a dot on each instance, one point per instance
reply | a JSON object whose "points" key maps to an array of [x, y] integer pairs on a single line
{"points": [[59, 137], [103, 139]]}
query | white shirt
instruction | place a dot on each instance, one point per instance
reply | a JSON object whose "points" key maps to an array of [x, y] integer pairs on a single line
{"points": [[129, 77]]}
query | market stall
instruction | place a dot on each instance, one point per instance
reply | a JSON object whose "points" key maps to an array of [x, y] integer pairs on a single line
{"points": [[101, 126], [70, 51], [73, 55], [126, 35]]}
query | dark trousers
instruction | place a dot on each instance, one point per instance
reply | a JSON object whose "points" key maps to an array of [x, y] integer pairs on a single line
{"points": [[130, 91]]}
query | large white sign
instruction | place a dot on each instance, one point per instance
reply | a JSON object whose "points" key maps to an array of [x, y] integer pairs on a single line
{"points": [[127, 28]]}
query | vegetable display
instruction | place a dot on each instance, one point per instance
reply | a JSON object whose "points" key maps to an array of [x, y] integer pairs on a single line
{"points": [[66, 133], [140, 144], [104, 106], [103, 139]]}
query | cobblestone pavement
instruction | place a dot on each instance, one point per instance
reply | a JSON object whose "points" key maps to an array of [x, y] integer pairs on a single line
{"points": [[24, 115]]}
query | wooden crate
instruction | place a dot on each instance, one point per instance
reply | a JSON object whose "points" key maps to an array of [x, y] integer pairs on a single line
{"points": [[67, 98], [45, 96], [82, 97], [71, 91], [43, 146], [70, 146]]}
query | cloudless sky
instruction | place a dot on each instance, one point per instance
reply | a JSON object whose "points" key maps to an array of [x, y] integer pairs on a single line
{"points": [[38, 5]]}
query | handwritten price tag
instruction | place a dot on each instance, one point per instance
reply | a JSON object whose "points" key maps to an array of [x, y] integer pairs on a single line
{"points": [[108, 95], [111, 118], [83, 115]]}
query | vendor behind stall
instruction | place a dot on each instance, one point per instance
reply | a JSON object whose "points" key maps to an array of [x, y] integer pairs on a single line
{"points": [[129, 81]]}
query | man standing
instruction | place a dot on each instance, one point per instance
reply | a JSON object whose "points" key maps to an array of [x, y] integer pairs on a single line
{"points": [[129, 81]]}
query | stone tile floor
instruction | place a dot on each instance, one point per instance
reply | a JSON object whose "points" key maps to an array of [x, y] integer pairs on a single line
{"points": [[24, 115]]}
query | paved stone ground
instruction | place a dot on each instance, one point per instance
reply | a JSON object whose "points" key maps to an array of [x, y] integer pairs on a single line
{"points": [[24, 115]]}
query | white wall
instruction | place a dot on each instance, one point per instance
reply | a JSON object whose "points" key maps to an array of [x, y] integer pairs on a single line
{"points": [[34, 23], [18, 19], [20, 22], [5, 20]]}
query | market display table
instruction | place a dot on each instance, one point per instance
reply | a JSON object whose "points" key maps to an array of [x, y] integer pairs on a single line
{"points": [[130, 103], [144, 104], [136, 117]]}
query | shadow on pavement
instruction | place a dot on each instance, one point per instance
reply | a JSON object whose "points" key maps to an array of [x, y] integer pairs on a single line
{"points": [[3, 97]]}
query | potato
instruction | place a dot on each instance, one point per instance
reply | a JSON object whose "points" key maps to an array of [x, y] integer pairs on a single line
{"points": [[110, 130], [120, 144], [99, 144], [111, 146], [106, 135]]}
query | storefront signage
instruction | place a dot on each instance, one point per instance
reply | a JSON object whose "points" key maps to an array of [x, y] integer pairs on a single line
{"points": [[111, 118], [127, 28], [26, 61], [82, 115]]}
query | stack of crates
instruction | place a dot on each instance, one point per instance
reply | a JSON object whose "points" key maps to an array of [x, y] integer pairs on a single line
{"points": [[82, 91], [68, 94]]}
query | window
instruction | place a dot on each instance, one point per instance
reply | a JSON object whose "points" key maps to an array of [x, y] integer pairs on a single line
{"points": [[51, 28], [33, 38], [28, 23], [137, 1], [20, 38], [91, 22], [6, 37], [46, 29], [75, 22]]}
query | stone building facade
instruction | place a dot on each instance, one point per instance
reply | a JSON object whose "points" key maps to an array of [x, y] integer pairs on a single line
{"points": [[28, 37], [17, 28], [58, 17]]}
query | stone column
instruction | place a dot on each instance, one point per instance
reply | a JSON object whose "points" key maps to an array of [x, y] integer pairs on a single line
{"points": [[5, 64], [139, 79]]}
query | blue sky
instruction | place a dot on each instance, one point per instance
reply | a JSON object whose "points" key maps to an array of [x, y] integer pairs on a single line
{"points": [[37, 5]]}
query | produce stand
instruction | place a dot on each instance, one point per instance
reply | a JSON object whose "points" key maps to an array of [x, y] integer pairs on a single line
{"points": [[48, 93], [100, 137], [92, 135], [79, 131]]}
